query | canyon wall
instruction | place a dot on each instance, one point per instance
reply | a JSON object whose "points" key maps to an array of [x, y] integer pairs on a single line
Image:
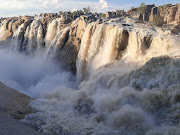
{"points": [[169, 13], [85, 44], [104, 44], [60, 38], [127, 73]]}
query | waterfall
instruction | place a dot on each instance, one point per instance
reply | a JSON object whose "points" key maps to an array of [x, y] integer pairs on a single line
{"points": [[33, 36], [103, 44], [52, 30], [30, 38], [127, 79], [100, 46], [17, 39]]}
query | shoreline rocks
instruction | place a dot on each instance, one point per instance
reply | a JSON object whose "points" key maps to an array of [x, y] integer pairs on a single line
{"points": [[14, 103]]}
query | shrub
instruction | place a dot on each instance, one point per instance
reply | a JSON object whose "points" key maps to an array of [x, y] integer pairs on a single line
{"points": [[103, 15], [158, 20], [87, 10], [142, 8]]}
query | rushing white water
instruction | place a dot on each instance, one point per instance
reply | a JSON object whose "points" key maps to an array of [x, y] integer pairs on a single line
{"points": [[57, 43], [142, 102], [121, 92], [33, 36], [53, 29], [32, 75], [99, 42], [25, 61], [102, 44]]}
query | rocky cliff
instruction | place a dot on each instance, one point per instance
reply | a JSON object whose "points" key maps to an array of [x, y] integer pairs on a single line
{"points": [[121, 89], [61, 34], [170, 13], [61, 38]]}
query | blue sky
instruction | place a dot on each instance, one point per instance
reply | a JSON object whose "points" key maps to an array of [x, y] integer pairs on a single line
{"points": [[138, 2], [31, 7]]}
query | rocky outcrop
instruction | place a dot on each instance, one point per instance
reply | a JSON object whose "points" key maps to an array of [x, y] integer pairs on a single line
{"points": [[110, 14], [176, 29], [16, 24], [49, 15], [6, 35], [118, 13], [170, 13], [14, 103], [59, 36], [142, 16], [69, 50], [154, 11], [134, 13], [148, 12], [174, 16], [10, 25]]}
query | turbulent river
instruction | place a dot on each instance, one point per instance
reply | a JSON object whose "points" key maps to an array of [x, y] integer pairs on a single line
{"points": [[127, 80]]}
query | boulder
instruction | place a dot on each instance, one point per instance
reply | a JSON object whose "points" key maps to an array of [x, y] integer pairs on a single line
{"points": [[134, 13], [110, 14], [176, 29], [148, 12], [172, 14], [131, 10], [154, 11]]}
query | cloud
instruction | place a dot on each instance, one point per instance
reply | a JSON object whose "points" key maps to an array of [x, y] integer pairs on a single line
{"points": [[104, 4], [45, 3], [55, 1], [31, 7]]}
